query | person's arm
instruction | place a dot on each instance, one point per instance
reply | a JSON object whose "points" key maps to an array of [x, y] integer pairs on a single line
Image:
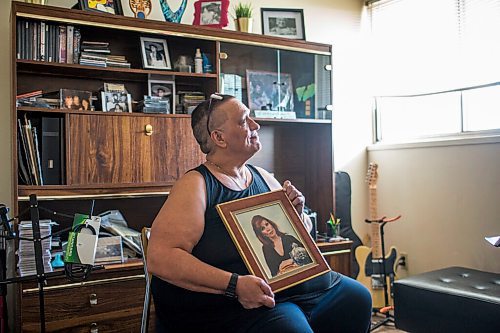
{"points": [[298, 200], [176, 230]]}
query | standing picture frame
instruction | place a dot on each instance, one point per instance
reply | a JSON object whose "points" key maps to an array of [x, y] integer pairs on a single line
{"points": [[102, 6], [211, 13], [163, 90], [254, 221], [155, 53], [281, 22]]}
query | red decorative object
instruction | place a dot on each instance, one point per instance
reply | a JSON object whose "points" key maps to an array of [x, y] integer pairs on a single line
{"points": [[211, 13]]}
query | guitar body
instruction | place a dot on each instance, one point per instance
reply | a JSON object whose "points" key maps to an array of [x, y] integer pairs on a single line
{"points": [[369, 271]]}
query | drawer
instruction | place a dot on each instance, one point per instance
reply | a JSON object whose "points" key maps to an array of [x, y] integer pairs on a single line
{"points": [[99, 303]]}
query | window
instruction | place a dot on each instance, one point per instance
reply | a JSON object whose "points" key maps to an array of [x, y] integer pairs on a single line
{"points": [[435, 67]]}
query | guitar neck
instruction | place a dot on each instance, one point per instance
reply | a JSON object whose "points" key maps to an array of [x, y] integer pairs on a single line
{"points": [[375, 227]]}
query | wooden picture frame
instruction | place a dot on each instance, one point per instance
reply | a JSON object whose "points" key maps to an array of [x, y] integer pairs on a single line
{"points": [[281, 22], [102, 6], [252, 221], [155, 53], [211, 13]]}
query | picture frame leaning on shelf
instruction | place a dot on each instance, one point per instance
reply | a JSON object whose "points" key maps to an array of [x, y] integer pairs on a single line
{"points": [[282, 22], [155, 53]]}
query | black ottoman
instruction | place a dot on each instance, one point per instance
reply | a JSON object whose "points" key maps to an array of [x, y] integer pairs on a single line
{"points": [[453, 299]]}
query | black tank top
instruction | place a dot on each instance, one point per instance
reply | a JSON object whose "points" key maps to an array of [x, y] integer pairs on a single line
{"points": [[216, 248]]}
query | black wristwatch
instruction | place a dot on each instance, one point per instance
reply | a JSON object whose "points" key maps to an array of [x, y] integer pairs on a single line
{"points": [[231, 287]]}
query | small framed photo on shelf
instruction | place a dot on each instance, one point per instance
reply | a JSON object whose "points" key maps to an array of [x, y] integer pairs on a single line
{"points": [[211, 13], [255, 222], [102, 6], [164, 90], [75, 99], [116, 102], [287, 23], [155, 53]]}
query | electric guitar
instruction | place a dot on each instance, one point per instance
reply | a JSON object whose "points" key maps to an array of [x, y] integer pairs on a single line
{"points": [[371, 271]]}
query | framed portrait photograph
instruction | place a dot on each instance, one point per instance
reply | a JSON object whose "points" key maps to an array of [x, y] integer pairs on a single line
{"points": [[256, 223], [155, 53], [211, 13], [75, 99], [164, 90], [102, 6], [287, 23], [116, 102], [268, 91]]}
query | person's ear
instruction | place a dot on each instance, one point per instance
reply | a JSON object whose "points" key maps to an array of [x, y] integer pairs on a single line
{"points": [[218, 138]]}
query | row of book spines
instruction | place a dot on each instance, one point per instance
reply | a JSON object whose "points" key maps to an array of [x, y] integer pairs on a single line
{"points": [[42, 41], [32, 172]]}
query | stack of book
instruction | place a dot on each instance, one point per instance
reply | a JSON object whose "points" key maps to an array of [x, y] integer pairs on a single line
{"points": [[39, 99], [26, 252], [189, 100], [99, 54]]}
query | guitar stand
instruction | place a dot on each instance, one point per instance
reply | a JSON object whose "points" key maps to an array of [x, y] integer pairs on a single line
{"points": [[389, 318]]}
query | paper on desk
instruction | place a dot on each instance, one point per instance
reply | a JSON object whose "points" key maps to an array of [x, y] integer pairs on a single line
{"points": [[493, 240]]}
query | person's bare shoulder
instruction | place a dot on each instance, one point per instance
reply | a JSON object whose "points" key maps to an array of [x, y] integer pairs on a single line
{"points": [[269, 178]]}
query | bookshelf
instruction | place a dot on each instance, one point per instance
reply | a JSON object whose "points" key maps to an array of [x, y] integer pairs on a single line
{"points": [[109, 157]]}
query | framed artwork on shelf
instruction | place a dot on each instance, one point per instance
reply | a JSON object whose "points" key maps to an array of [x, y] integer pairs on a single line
{"points": [[75, 99], [287, 23], [102, 6], [163, 90], [116, 102], [254, 222], [268, 91], [211, 13], [155, 53]]}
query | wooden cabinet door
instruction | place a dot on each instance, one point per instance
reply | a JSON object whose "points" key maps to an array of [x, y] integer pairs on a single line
{"points": [[115, 149]]}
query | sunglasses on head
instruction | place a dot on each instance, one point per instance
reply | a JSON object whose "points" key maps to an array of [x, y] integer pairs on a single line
{"points": [[213, 98]]}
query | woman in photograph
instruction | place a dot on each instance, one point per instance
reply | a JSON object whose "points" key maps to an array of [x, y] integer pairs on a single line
{"points": [[156, 58], [117, 108], [281, 251]]}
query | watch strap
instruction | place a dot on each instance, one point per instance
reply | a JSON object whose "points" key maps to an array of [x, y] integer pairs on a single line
{"points": [[231, 287]]}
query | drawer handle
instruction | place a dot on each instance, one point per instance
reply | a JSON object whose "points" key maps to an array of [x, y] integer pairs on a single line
{"points": [[223, 56], [94, 328], [148, 130], [93, 299]]}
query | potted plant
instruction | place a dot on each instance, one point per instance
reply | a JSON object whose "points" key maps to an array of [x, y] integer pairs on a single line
{"points": [[243, 17]]}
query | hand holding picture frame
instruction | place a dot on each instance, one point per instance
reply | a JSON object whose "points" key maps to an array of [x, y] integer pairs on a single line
{"points": [[252, 224], [287, 23]]}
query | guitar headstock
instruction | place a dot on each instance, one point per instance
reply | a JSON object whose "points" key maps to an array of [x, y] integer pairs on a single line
{"points": [[372, 175]]}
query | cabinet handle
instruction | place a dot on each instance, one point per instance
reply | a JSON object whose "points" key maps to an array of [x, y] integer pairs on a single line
{"points": [[94, 328], [329, 107], [223, 55], [328, 67], [93, 299], [148, 130]]}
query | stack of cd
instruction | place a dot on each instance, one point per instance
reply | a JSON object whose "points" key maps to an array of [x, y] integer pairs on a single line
{"points": [[154, 104], [26, 252]]}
